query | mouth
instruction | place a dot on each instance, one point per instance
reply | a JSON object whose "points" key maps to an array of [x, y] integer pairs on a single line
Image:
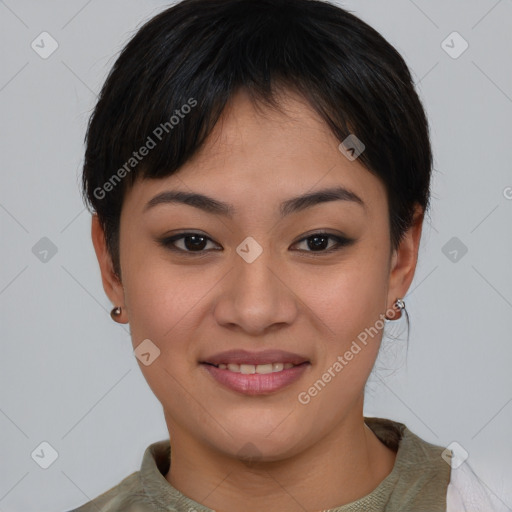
{"points": [[255, 373], [246, 358], [260, 369], [250, 379]]}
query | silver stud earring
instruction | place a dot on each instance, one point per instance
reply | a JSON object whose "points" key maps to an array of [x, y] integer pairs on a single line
{"points": [[400, 305]]}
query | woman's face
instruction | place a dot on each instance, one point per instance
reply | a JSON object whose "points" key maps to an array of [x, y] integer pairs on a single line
{"points": [[259, 280]]}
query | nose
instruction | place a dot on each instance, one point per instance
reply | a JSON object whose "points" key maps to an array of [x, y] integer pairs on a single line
{"points": [[257, 297]]}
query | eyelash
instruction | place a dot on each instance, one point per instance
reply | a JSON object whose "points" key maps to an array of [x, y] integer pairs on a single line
{"points": [[341, 242]]}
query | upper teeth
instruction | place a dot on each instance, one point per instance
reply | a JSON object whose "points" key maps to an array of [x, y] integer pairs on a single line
{"points": [[258, 368]]}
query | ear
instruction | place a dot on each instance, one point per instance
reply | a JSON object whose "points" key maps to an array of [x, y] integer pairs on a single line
{"points": [[111, 283], [404, 259]]}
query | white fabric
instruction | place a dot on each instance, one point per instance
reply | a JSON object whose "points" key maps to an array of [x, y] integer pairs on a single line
{"points": [[466, 493]]}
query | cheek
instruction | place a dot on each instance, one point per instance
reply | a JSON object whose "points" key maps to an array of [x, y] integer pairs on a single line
{"points": [[163, 304], [351, 307], [162, 299], [352, 296]]}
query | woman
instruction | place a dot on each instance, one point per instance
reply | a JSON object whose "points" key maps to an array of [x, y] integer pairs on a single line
{"points": [[259, 172]]}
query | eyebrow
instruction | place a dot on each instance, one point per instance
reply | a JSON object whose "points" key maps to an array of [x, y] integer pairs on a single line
{"points": [[293, 205]]}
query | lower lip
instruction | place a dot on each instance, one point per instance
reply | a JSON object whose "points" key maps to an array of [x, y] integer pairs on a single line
{"points": [[256, 383]]}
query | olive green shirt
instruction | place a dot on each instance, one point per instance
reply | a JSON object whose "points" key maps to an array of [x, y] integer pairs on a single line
{"points": [[418, 481]]}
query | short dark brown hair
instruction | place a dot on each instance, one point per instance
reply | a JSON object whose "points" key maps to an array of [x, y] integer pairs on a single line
{"points": [[172, 81]]}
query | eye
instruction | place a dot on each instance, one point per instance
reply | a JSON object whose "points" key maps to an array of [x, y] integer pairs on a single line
{"points": [[192, 242], [197, 242], [317, 242]]}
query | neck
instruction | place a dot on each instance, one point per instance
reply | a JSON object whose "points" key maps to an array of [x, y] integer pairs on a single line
{"points": [[342, 467]]}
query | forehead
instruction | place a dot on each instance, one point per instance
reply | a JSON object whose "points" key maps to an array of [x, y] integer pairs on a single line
{"points": [[258, 154], [242, 114]]}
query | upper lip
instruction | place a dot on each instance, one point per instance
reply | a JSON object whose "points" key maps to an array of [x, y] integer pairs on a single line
{"points": [[246, 357]]}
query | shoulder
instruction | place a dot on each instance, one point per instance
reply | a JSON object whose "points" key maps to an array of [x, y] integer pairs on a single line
{"points": [[420, 476], [467, 493], [128, 496]]}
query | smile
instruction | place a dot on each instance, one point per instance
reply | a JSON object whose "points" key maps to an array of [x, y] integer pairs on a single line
{"points": [[258, 379], [248, 369]]}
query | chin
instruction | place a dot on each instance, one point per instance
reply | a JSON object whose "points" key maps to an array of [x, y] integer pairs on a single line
{"points": [[259, 443]]}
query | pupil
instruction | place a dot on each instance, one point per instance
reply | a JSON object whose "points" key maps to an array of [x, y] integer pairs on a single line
{"points": [[316, 245], [197, 244]]}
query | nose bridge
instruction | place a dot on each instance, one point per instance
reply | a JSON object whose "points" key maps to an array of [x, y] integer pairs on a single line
{"points": [[256, 297], [256, 279]]}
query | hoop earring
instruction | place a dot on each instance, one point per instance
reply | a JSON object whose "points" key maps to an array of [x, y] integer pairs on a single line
{"points": [[116, 313]]}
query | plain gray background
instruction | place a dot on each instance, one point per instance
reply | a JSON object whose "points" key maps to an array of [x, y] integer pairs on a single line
{"points": [[68, 375]]}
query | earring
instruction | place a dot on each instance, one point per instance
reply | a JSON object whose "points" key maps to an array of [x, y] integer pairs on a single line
{"points": [[115, 313], [400, 304]]}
